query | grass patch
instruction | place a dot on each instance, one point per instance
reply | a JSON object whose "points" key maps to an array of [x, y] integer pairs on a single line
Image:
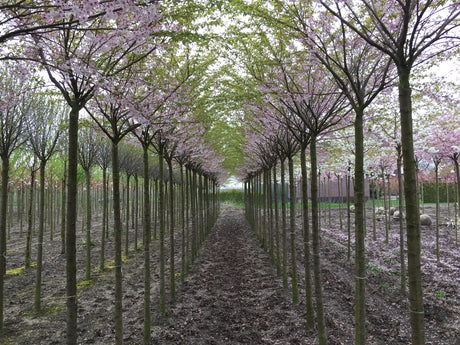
{"points": [[18, 271], [85, 283], [374, 268], [440, 294]]}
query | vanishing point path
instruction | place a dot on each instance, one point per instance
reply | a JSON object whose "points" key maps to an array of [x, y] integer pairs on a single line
{"points": [[232, 294]]}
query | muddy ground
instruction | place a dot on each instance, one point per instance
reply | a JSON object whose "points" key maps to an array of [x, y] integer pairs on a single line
{"points": [[232, 294]]}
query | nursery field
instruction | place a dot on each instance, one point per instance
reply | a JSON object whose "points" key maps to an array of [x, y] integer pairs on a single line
{"points": [[232, 294]]}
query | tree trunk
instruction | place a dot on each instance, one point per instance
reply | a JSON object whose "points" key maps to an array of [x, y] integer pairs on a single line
{"points": [[385, 210], [136, 212], [277, 230], [310, 314], [283, 224], [88, 224], [172, 273], [41, 226], [3, 209], [412, 210], [118, 310], [146, 241], [402, 255], [322, 333], [436, 194], [360, 233], [457, 206], [30, 218], [128, 177], [161, 215], [292, 228], [71, 259], [348, 183], [63, 208], [182, 221], [104, 219]]}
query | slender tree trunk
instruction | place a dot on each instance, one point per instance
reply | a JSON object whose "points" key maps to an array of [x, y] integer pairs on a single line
{"points": [[360, 233], [277, 225], [128, 177], [161, 215], [146, 240], [283, 224], [457, 200], [310, 314], [402, 255], [41, 226], [172, 273], [292, 228], [374, 225], [182, 221], [63, 208], [30, 218], [339, 188], [187, 217], [436, 194], [412, 210], [136, 212], [104, 219], [385, 210], [322, 333], [88, 224], [118, 310], [3, 209], [348, 183], [21, 210], [71, 259]]}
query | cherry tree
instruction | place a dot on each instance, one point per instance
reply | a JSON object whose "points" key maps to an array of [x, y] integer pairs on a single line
{"points": [[14, 105], [87, 156], [410, 33], [43, 125], [97, 40], [314, 97]]}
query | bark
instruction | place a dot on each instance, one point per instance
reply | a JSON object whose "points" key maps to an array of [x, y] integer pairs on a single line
{"points": [[374, 226], [63, 208], [30, 217], [412, 210], [322, 333], [457, 199], [402, 254], [182, 217], [104, 219], [360, 233], [436, 172], [136, 212], [118, 310], [41, 226], [385, 207], [348, 214], [292, 228], [310, 314], [146, 241], [277, 230], [283, 224], [3, 209], [172, 273], [88, 224], [161, 215], [71, 262], [128, 177]]}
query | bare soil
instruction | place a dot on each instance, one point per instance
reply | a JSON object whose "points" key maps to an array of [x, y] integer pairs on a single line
{"points": [[232, 294]]}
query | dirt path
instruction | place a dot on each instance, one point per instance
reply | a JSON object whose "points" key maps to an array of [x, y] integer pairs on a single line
{"points": [[232, 294]]}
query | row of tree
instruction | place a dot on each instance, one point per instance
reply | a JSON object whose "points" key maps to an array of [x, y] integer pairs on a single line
{"points": [[122, 64], [318, 67]]}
